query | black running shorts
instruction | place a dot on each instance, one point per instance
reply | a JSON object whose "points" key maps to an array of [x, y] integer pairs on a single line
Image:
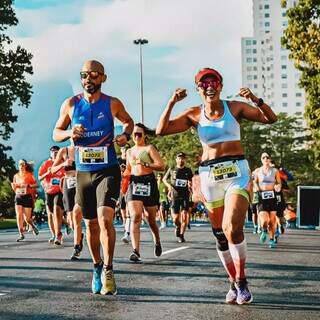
{"points": [[69, 193], [97, 189], [178, 204], [24, 200], [54, 199]]}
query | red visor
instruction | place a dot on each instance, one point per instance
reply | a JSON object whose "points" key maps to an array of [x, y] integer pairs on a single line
{"points": [[207, 71]]}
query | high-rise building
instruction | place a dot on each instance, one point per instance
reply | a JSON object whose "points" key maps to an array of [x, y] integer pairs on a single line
{"points": [[266, 68]]}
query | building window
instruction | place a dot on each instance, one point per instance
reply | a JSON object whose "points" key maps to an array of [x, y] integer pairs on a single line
{"points": [[255, 77], [248, 42], [267, 24], [254, 60], [260, 6], [283, 58], [254, 51], [254, 68], [284, 85], [249, 68], [298, 104], [283, 76], [248, 51], [249, 77], [266, 6], [284, 95], [255, 86], [284, 14], [285, 23], [267, 15], [249, 59], [254, 42], [284, 104], [283, 67], [298, 94]]}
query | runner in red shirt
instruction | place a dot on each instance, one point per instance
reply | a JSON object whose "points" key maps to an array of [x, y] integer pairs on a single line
{"points": [[54, 203]]}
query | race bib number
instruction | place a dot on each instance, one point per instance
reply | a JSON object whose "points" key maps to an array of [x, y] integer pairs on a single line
{"points": [[93, 155], [267, 195], [140, 189], [225, 171], [21, 191], [181, 183], [278, 198], [71, 182], [55, 181]]}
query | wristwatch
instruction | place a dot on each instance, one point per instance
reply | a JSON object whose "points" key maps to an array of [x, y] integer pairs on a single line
{"points": [[260, 102], [128, 135]]}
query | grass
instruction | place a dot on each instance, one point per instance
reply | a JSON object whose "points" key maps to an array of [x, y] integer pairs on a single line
{"points": [[8, 223]]}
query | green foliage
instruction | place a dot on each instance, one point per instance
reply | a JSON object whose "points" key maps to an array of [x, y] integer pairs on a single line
{"points": [[302, 38], [15, 64], [6, 197]]}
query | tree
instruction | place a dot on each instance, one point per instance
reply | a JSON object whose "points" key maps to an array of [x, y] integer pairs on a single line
{"points": [[302, 38], [6, 198], [15, 64]]}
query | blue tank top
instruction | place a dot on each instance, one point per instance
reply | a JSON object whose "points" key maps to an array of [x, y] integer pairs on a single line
{"points": [[95, 150], [224, 129]]}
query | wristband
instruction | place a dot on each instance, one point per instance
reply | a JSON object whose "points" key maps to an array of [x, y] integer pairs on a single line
{"points": [[260, 102], [128, 135]]}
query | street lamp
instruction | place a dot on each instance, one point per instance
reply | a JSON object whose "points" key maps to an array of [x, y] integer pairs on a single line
{"points": [[141, 42]]}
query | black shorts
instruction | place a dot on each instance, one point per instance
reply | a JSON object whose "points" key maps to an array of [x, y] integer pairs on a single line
{"points": [[267, 203], [281, 204], [54, 199], [254, 208], [69, 193], [178, 204], [24, 200], [165, 205], [97, 189], [145, 189]]}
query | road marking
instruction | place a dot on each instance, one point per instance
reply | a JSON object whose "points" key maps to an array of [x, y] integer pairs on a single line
{"points": [[174, 250]]}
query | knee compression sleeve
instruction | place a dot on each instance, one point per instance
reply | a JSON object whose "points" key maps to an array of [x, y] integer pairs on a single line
{"points": [[222, 242]]}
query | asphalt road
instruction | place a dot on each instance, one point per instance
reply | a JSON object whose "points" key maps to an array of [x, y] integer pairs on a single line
{"points": [[38, 281]]}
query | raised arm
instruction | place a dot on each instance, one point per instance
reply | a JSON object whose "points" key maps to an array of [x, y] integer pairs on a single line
{"points": [[262, 113], [179, 124], [123, 116]]}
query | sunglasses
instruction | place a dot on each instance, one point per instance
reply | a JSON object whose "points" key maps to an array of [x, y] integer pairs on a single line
{"points": [[138, 134], [265, 157], [209, 83], [91, 74]]}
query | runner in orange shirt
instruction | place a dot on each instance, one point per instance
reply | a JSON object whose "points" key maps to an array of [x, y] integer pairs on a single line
{"points": [[24, 185]]}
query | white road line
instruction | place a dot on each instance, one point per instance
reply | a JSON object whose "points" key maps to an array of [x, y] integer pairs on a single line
{"points": [[174, 250]]}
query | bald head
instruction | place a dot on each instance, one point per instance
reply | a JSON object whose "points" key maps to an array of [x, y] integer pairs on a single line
{"points": [[93, 65]]}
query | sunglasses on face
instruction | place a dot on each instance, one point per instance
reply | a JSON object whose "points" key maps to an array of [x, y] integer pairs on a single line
{"points": [[265, 157], [209, 83], [91, 74], [138, 134]]}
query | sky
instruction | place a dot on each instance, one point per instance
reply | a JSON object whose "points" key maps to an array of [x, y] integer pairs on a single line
{"points": [[184, 36]]}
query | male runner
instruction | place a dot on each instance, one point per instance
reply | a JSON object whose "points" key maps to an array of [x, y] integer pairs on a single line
{"points": [[91, 117], [178, 180]]}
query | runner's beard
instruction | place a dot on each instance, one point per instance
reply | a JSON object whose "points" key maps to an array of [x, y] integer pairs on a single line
{"points": [[92, 88]]}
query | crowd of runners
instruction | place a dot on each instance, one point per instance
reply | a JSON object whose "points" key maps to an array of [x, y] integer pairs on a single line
{"points": [[87, 181]]}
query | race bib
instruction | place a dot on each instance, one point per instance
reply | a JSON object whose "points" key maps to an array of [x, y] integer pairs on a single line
{"points": [[55, 181], [181, 183], [267, 195], [93, 155], [21, 191], [225, 171], [71, 182], [278, 198], [140, 189]]}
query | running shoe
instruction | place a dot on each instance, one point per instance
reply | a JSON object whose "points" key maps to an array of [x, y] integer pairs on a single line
{"points": [[272, 244], [157, 249], [35, 231], [135, 256], [68, 229], [181, 238], [21, 238], [163, 225], [243, 294], [51, 240], [263, 237], [108, 282], [231, 296], [57, 242], [126, 238], [259, 230], [177, 232], [76, 253], [255, 230], [96, 283]]}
